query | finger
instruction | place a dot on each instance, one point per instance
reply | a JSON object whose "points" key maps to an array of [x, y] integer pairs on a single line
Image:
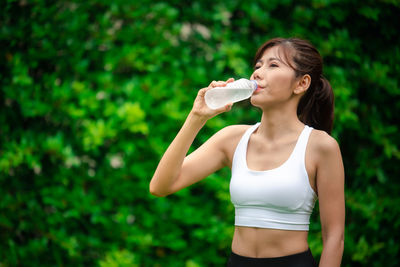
{"points": [[225, 108], [228, 107], [202, 92], [217, 84], [230, 80]]}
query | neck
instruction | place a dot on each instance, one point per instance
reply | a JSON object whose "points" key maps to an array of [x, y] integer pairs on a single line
{"points": [[278, 122]]}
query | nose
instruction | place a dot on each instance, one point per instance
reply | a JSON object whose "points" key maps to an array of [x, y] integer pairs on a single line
{"points": [[255, 75]]}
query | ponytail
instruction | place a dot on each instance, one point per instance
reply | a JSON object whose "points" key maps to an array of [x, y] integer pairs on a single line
{"points": [[316, 107]]}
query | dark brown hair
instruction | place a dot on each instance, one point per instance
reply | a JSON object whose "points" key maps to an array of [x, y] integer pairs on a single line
{"points": [[316, 106]]}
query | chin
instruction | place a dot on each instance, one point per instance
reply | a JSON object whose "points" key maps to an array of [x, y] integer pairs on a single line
{"points": [[261, 102], [255, 103]]}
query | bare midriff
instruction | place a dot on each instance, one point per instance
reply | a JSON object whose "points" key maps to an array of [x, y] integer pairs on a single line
{"points": [[267, 243]]}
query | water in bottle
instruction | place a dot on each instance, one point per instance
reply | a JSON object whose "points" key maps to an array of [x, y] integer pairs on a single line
{"points": [[231, 93]]}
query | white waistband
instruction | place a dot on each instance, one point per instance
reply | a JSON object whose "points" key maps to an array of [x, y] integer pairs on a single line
{"points": [[262, 217]]}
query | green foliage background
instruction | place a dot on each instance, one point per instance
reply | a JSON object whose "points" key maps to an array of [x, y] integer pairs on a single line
{"points": [[92, 93]]}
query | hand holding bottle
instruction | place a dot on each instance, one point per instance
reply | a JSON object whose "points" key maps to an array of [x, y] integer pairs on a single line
{"points": [[200, 108], [231, 93]]}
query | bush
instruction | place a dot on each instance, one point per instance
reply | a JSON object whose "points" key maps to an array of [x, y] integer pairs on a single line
{"points": [[93, 92]]}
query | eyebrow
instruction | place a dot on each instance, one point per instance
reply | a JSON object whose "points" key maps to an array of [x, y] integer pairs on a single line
{"points": [[270, 59]]}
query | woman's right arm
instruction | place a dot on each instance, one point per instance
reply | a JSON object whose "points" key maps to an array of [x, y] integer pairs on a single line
{"points": [[176, 170]]}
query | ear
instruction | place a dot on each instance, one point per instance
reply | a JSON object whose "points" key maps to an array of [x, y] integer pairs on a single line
{"points": [[302, 84]]}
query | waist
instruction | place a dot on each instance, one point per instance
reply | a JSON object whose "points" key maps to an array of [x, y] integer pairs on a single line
{"points": [[262, 242], [298, 259]]}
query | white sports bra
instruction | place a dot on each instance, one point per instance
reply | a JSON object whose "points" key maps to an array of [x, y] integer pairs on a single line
{"points": [[280, 198]]}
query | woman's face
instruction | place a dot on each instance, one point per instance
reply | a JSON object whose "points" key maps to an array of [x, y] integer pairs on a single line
{"points": [[275, 78]]}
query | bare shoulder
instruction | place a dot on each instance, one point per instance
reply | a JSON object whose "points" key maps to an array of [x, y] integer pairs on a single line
{"points": [[322, 143], [228, 137], [233, 131]]}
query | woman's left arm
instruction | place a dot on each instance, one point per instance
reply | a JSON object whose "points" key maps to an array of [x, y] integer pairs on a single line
{"points": [[330, 187]]}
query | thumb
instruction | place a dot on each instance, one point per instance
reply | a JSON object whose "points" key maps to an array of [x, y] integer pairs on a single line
{"points": [[225, 108]]}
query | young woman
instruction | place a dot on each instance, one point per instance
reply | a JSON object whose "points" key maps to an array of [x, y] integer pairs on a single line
{"points": [[280, 166]]}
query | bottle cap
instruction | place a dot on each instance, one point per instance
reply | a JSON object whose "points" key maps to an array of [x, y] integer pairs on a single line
{"points": [[256, 85]]}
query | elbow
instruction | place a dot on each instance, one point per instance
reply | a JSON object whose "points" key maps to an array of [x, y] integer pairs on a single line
{"points": [[336, 240], [156, 193], [341, 242]]}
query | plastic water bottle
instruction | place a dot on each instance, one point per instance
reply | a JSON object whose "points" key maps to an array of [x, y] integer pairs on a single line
{"points": [[231, 93]]}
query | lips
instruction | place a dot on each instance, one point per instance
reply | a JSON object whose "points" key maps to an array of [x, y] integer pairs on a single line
{"points": [[258, 89]]}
